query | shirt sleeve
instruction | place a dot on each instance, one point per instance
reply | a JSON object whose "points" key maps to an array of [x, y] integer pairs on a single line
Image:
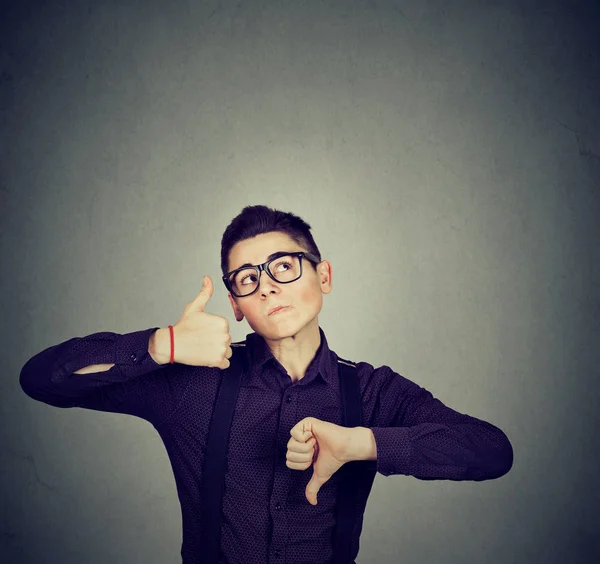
{"points": [[135, 385], [417, 435]]}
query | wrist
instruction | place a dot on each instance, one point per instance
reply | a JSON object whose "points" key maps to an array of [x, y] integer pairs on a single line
{"points": [[159, 346], [362, 444]]}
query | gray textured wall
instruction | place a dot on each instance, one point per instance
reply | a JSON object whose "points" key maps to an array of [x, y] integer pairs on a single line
{"points": [[447, 156]]}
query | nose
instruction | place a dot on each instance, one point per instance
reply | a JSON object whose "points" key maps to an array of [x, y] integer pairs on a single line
{"points": [[267, 284]]}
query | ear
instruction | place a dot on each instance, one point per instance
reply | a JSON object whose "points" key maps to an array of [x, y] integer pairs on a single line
{"points": [[324, 273], [237, 312]]}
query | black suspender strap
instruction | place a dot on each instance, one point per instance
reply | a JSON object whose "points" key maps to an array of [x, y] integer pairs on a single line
{"points": [[349, 472], [215, 460]]}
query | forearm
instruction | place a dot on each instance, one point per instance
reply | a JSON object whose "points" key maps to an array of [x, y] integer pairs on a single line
{"points": [[480, 460], [436, 451], [94, 368], [157, 348], [79, 366]]}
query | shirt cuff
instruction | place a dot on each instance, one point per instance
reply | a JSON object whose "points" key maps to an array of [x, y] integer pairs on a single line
{"points": [[393, 450], [131, 350]]}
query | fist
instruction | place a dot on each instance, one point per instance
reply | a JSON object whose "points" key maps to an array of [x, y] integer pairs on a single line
{"points": [[301, 453], [202, 339]]}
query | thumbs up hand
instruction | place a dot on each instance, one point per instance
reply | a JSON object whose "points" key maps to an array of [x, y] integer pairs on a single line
{"points": [[322, 445], [202, 339]]}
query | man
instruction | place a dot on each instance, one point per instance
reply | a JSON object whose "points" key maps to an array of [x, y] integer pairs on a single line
{"points": [[287, 442]]}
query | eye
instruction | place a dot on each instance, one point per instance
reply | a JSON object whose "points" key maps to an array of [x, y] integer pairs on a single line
{"points": [[243, 281], [285, 263]]}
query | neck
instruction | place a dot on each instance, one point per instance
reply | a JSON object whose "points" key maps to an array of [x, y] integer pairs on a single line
{"points": [[296, 352]]}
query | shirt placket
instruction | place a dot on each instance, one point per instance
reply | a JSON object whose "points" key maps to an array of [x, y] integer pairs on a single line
{"points": [[281, 482]]}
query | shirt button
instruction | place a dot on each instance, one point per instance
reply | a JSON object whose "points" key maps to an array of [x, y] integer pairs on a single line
{"points": [[289, 399], [278, 507], [133, 357]]}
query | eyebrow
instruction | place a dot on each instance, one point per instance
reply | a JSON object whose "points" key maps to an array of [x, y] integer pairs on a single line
{"points": [[270, 257]]}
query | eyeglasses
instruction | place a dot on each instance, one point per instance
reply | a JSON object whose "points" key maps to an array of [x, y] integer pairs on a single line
{"points": [[283, 268]]}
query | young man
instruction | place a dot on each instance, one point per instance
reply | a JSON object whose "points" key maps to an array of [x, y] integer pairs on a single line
{"points": [[287, 441]]}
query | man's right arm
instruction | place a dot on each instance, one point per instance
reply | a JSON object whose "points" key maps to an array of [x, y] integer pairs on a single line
{"points": [[104, 371], [157, 349], [131, 373]]}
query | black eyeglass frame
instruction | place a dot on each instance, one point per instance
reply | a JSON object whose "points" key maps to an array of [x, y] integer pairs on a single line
{"points": [[259, 268]]}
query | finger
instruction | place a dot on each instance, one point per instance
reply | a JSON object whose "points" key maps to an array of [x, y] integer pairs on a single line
{"points": [[200, 301], [301, 458], [224, 364], [299, 446], [298, 465], [229, 353], [299, 435], [296, 446]]}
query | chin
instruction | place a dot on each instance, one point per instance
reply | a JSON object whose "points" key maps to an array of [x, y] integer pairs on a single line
{"points": [[279, 331]]}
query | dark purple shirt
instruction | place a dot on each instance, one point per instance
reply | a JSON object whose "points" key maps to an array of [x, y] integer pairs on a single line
{"points": [[266, 516]]}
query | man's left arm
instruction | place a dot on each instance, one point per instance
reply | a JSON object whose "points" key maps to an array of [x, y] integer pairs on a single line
{"points": [[428, 440]]}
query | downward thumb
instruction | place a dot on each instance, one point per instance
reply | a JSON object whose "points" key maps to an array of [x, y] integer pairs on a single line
{"points": [[312, 489]]}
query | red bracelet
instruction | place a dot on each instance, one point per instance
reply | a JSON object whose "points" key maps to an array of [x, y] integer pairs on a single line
{"points": [[172, 344]]}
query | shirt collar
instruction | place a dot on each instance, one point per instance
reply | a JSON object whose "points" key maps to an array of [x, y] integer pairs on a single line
{"points": [[323, 363]]}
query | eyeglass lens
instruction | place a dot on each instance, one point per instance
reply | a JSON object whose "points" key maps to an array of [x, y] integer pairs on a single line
{"points": [[283, 269]]}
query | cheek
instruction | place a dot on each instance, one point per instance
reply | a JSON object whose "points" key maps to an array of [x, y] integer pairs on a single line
{"points": [[311, 296], [252, 311]]}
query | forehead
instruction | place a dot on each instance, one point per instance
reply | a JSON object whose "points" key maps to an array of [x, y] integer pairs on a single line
{"points": [[257, 249]]}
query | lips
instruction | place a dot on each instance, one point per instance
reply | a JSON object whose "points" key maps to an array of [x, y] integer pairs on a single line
{"points": [[276, 308]]}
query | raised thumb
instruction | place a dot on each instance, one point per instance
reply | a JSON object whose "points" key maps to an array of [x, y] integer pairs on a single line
{"points": [[204, 295]]}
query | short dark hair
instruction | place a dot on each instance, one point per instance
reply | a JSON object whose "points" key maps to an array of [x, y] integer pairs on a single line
{"points": [[256, 220]]}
